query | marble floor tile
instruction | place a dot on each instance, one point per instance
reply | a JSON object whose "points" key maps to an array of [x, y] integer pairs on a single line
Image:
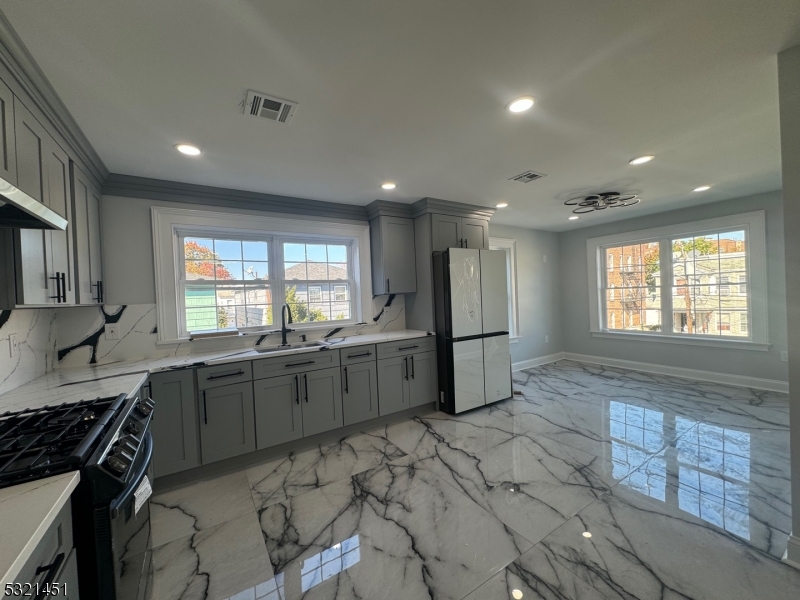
{"points": [[214, 564], [547, 381], [529, 482], [762, 397], [394, 532], [199, 506], [751, 417], [301, 472], [658, 547], [535, 576]]}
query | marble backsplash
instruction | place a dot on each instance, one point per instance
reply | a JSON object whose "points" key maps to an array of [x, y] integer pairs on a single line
{"points": [[82, 336], [36, 335]]}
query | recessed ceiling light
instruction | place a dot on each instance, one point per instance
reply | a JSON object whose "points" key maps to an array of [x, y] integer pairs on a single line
{"points": [[587, 534], [575, 218], [702, 188], [517, 594], [521, 104], [642, 159], [501, 204], [188, 149], [389, 186]]}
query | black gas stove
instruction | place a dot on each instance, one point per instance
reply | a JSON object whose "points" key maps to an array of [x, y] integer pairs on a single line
{"points": [[108, 441]]}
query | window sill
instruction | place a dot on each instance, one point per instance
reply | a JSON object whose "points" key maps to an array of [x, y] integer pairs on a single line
{"points": [[687, 341], [297, 328]]}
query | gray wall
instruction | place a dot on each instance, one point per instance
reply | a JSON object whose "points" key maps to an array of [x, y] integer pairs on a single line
{"points": [[575, 296], [538, 293], [789, 83]]}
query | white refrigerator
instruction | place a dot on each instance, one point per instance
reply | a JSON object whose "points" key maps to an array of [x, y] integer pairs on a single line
{"points": [[472, 339]]}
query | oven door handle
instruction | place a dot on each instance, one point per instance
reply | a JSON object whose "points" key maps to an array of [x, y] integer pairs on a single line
{"points": [[134, 482]]}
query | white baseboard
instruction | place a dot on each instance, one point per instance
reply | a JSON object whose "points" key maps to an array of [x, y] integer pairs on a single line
{"points": [[535, 362], [792, 556], [773, 385]]}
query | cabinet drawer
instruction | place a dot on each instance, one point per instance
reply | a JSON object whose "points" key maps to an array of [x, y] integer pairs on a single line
{"points": [[358, 354], [295, 363], [412, 346], [219, 375], [56, 542]]}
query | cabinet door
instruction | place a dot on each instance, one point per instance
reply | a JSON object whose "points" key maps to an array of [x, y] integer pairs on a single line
{"points": [[85, 227], [30, 139], [446, 232], [359, 392], [227, 425], [174, 422], [58, 197], [392, 385], [8, 153], [321, 401], [279, 417], [422, 379], [399, 256], [476, 233]]}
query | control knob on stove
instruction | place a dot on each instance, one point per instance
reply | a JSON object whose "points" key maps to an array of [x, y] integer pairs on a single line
{"points": [[145, 406], [132, 428], [115, 463]]}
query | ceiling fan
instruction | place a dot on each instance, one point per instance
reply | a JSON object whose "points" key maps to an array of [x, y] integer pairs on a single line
{"points": [[587, 204]]}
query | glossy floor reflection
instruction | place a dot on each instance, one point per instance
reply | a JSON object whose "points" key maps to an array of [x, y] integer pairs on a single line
{"points": [[595, 483]]}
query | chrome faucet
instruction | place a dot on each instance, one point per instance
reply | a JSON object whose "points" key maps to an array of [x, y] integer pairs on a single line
{"points": [[284, 330]]}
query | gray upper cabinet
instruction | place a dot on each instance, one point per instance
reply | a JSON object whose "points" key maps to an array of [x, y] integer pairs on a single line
{"points": [[392, 385], [458, 232], [446, 231], [58, 196], [86, 237], [279, 416], [321, 399], [174, 422], [360, 391], [30, 139], [422, 379], [475, 233], [394, 269], [227, 422], [8, 153]]}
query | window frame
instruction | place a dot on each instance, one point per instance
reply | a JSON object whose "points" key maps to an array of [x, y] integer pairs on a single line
{"points": [[509, 246], [753, 223], [170, 225]]}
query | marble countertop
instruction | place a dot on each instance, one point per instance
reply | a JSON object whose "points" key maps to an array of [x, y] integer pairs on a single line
{"points": [[26, 511], [80, 383]]}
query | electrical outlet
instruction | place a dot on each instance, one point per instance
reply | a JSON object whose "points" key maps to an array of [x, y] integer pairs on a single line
{"points": [[547, 339], [112, 331], [785, 355], [13, 345]]}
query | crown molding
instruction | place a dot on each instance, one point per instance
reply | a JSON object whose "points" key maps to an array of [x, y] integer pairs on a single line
{"points": [[131, 186], [386, 208], [448, 207], [31, 81]]}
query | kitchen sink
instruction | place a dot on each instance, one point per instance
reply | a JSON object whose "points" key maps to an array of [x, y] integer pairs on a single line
{"points": [[297, 346]]}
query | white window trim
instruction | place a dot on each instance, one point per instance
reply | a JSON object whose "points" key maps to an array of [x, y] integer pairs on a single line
{"points": [[167, 223], [510, 247], [753, 223]]}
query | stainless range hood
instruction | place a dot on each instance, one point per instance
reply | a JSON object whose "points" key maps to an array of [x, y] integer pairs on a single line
{"points": [[20, 211]]}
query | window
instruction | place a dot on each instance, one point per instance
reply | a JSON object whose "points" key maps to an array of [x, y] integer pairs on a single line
{"points": [[236, 271], [683, 282], [510, 248]]}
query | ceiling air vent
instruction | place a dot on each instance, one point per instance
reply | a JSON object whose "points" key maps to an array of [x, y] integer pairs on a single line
{"points": [[527, 177], [269, 107]]}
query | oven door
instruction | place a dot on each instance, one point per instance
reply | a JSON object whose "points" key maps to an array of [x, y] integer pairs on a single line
{"points": [[130, 530]]}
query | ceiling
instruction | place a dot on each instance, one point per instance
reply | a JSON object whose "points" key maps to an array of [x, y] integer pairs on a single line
{"points": [[415, 92]]}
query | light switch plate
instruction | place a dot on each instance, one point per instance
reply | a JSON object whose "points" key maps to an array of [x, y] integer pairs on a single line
{"points": [[547, 339], [13, 345], [785, 355], [112, 331]]}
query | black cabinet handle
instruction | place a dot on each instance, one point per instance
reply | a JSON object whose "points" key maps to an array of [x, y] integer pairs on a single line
{"points": [[51, 570], [412, 366], [387, 286], [236, 374], [359, 355], [305, 386], [300, 364], [297, 387], [346, 387], [405, 361], [466, 243], [57, 297], [64, 287], [100, 291], [409, 347], [205, 410]]}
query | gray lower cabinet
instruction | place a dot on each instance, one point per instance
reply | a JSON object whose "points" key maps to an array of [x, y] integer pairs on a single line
{"points": [[174, 424], [392, 385], [360, 392], [279, 416], [227, 426], [422, 379], [321, 401]]}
